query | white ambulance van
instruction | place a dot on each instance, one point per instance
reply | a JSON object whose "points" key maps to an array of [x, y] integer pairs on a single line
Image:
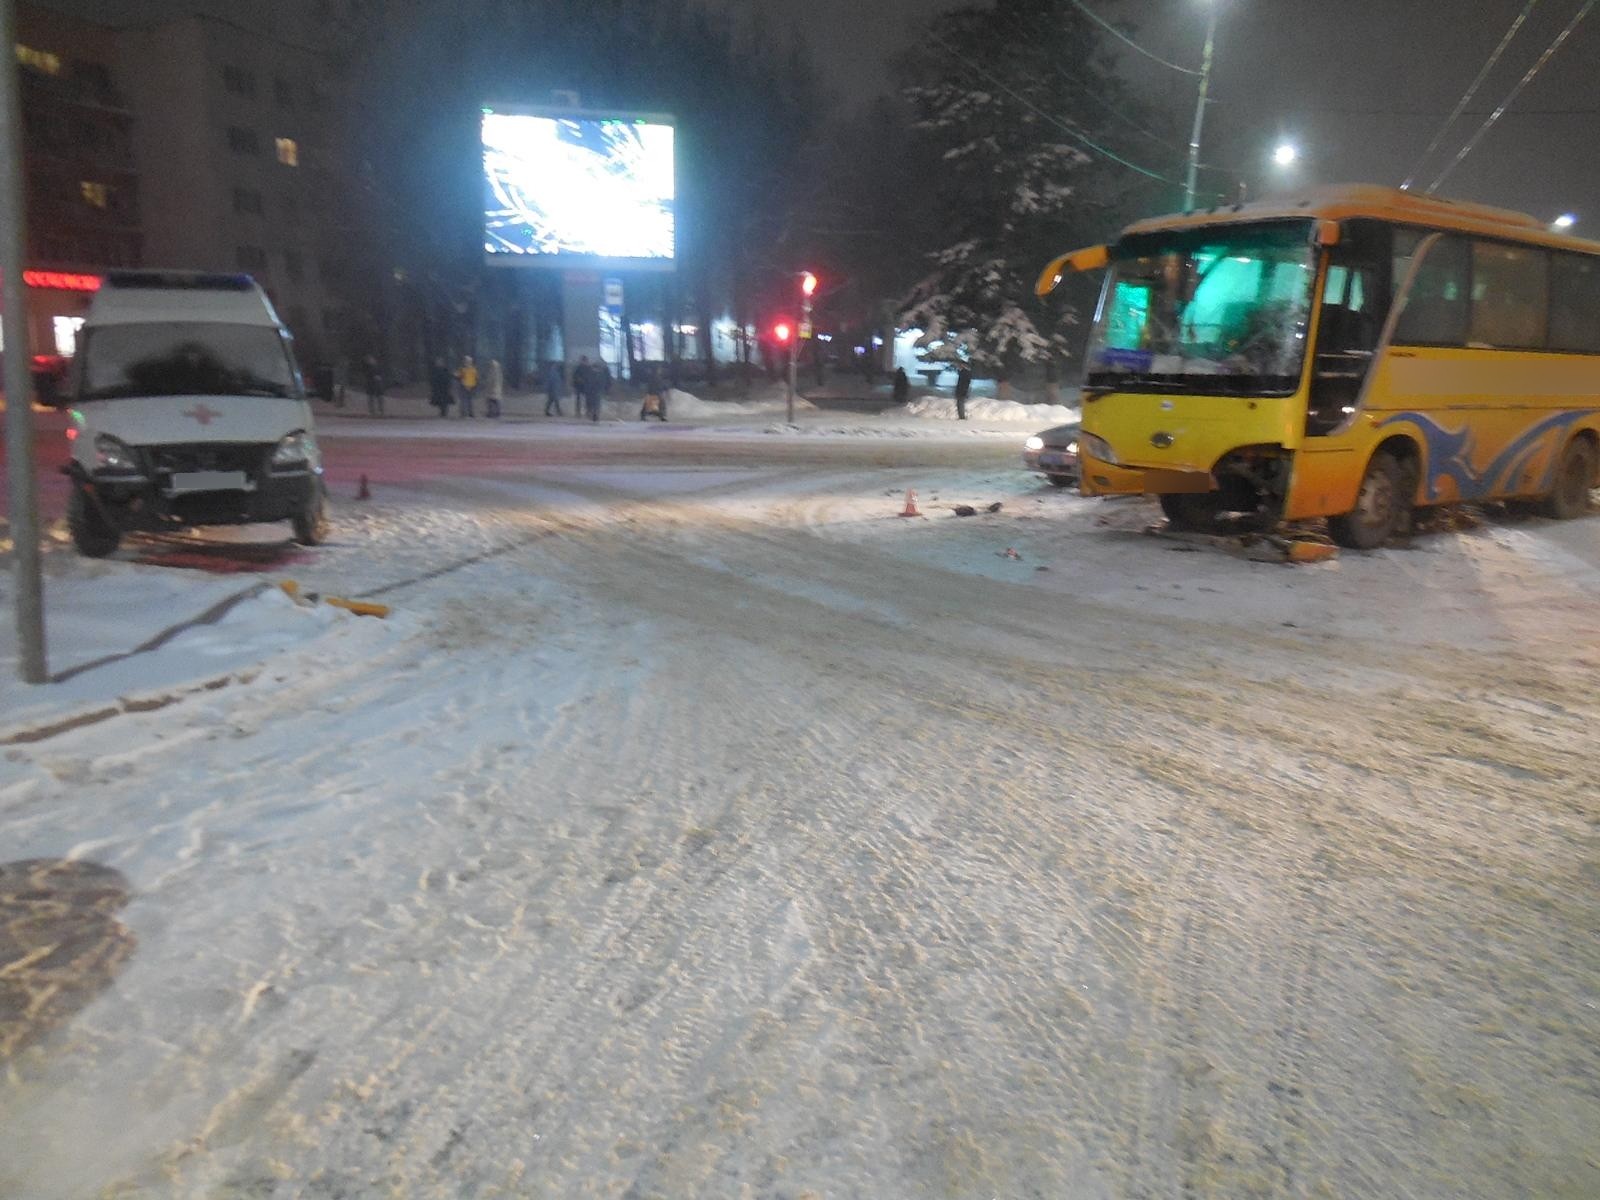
{"points": [[187, 409]]}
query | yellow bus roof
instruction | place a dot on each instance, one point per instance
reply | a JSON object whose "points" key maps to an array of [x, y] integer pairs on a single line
{"points": [[1383, 203]]}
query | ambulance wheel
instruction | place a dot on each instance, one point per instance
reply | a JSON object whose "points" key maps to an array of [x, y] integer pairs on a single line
{"points": [[92, 534], [311, 526]]}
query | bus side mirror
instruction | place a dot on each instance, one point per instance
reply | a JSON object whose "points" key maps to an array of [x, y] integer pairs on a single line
{"points": [[1090, 258], [1327, 233]]}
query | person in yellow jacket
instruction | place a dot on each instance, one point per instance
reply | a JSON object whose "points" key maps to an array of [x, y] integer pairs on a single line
{"points": [[467, 379]]}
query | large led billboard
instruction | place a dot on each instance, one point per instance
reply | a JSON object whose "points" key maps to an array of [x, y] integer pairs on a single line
{"points": [[566, 189]]}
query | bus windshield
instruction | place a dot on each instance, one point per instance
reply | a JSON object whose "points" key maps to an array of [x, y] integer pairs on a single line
{"points": [[1219, 310]]}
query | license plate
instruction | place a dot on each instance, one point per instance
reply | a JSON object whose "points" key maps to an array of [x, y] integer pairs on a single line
{"points": [[1057, 460], [208, 481]]}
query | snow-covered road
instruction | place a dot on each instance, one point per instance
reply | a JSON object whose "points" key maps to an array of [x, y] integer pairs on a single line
{"points": [[701, 829]]}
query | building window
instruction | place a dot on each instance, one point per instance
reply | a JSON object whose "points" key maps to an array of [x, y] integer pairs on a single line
{"points": [[293, 265], [239, 81], [242, 141], [246, 201], [93, 193], [288, 152], [282, 92], [38, 60], [251, 258], [65, 330]]}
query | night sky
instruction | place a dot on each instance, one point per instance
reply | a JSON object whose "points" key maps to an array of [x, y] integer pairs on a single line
{"points": [[1359, 85]]}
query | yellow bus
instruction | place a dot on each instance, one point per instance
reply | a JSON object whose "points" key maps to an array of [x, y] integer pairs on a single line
{"points": [[1353, 354]]}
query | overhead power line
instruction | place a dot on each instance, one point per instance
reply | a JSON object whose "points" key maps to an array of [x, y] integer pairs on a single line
{"points": [[1507, 102], [1466, 97], [1076, 134], [1126, 40]]}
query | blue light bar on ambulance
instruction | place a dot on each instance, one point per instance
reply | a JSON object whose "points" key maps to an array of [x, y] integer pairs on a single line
{"points": [[200, 280]]}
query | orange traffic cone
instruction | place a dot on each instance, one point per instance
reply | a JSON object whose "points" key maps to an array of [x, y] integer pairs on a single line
{"points": [[365, 493], [910, 509]]}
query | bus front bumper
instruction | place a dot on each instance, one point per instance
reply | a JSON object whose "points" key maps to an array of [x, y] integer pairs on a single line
{"points": [[1097, 478]]}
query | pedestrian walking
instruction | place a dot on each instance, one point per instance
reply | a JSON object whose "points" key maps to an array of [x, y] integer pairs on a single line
{"points": [[963, 390], [439, 387], [494, 389], [902, 386], [467, 377], [586, 385], [553, 388], [374, 382]]}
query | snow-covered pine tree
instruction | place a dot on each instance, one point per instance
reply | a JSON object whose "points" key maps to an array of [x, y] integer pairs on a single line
{"points": [[1012, 95]]}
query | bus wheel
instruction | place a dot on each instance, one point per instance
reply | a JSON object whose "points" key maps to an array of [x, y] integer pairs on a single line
{"points": [[1380, 506], [1575, 476], [1192, 512]]}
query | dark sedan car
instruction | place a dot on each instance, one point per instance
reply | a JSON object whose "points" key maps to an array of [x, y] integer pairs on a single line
{"points": [[1054, 454]]}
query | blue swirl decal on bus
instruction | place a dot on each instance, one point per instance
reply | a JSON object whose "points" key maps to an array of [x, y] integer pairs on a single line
{"points": [[1450, 453]]}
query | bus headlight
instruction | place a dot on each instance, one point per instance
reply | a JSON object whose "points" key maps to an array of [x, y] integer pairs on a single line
{"points": [[1097, 447]]}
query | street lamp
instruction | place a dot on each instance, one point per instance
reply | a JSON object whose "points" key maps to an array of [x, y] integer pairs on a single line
{"points": [[1564, 221], [1285, 154], [1200, 107]]}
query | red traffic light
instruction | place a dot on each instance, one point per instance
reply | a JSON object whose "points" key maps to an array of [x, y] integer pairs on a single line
{"points": [[808, 283], [782, 331]]}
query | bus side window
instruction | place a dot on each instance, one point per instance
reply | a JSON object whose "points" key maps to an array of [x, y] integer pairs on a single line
{"points": [[1510, 296], [1575, 303], [1438, 308]]}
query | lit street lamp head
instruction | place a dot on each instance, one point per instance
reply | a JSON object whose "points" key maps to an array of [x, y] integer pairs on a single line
{"points": [[1564, 221], [1285, 154]]}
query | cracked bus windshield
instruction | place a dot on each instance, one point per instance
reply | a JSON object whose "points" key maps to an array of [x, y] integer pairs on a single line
{"points": [[1222, 310]]}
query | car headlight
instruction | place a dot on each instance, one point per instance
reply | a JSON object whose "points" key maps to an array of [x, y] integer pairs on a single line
{"points": [[1097, 447], [1034, 443], [113, 454], [295, 451], [1072, 447]]}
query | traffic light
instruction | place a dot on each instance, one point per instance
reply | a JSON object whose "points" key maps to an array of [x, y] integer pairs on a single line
{"points": [[808, 283], [782, 332]]}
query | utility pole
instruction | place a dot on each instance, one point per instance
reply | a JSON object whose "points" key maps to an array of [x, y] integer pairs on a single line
{"points": [[1200, 108], [24, 510], [808, 285]]}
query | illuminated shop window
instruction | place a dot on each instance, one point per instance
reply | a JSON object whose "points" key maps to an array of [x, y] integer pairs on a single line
{"points": [[39, 60]]}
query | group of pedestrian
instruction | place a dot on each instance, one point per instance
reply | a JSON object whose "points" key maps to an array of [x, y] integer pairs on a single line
{"points": [[591, 386], [902, 389], [461, 387]]}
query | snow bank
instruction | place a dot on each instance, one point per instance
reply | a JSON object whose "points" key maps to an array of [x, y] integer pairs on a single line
{"points": [[943, 408], [688, 406], [155, 633]]}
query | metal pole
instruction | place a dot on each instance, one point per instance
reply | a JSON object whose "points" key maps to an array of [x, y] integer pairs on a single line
{"points": [[1200, 109], [24, 511], [794, 352]]}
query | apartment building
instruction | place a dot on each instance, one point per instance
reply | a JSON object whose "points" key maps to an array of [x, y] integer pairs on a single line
{"points": [[81, 178], [232, 138], [193, 142]]}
